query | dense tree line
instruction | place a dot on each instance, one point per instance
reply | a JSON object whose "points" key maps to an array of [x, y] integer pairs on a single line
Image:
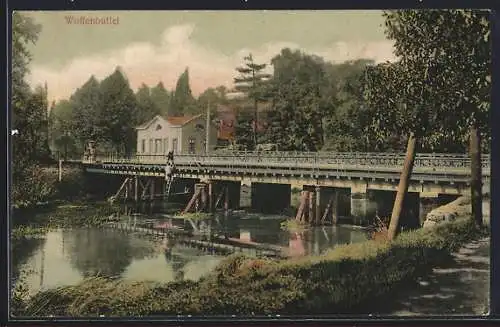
{"points": [[107, 112], [315, 105]]}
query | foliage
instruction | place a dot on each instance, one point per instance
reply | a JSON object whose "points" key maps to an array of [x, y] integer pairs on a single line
{"points": [[85, 107], [117, 116], [147, 108], [293, 225], [296, 90], [346, 125], [252, 82], [249, 286], [182, 101], [161, 98]]}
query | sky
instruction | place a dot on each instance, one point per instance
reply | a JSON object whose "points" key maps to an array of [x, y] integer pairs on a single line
{"points": [[154, 46]]}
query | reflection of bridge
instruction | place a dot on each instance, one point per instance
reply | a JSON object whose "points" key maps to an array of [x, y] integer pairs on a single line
{"points": [[272, 174]]}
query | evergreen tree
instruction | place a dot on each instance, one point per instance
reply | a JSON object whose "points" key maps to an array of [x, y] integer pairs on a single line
{"points": [[252, 82], [182, 101]]}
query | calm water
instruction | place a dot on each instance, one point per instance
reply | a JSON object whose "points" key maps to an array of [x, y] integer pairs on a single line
{"points": [[65, 257]]}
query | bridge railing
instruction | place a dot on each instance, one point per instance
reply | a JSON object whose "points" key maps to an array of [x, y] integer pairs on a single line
{"points": [[310, 159]]}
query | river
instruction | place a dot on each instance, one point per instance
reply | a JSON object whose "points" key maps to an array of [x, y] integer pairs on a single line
{"points": [[67, 256]]}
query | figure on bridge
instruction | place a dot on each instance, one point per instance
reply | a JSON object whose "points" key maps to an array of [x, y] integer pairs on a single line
{"points": [[170, 167]]}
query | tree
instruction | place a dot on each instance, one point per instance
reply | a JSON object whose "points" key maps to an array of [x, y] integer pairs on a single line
{"points": [[182, 101], [62, 134], [454, 46], [86, 103], [346, 123], [298, 102], [251, 81], [147, 108], [118, 116], [161, 98]]}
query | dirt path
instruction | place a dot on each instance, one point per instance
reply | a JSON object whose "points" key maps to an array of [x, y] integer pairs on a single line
{"points": [[458, 287]]}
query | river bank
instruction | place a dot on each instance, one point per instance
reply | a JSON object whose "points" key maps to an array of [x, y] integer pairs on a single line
{"points": [[249, 286]]}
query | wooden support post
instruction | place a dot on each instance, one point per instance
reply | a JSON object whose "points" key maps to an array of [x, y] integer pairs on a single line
{"points": [[219, 198], [145, 189], [317, 205], [335, 208], [302, 206], [136, 188], [204, 200], [226, 198], [127, 186], [195, 197], [210, 197], [60, 169], [312, 202], [152, 188], [123, 186]]}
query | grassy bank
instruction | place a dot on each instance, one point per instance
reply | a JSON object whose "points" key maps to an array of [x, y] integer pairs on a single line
{"points": [[336, 282], [41, 187], [28, 222]]}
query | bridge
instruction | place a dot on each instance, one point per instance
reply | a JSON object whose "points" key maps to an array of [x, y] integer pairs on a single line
{"points": [[272, 174]]}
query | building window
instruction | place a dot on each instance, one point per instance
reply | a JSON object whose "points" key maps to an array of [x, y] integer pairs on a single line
{"points": [[158, 146], [150, 150], [192, 145], [143, 146], [165, 145], [158, 127], [174, 145]]}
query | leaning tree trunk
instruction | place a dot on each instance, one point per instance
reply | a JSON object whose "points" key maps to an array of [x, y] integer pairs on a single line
{"points": [[404, 182], [476, 174]]}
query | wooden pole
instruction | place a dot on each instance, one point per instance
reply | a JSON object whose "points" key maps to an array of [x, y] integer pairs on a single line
{"points": [[211, 196], [60, 170], [318, 204], [152, 189], [312, 202], [476, 175], [404, 182], [136, 189], [226, 198]]}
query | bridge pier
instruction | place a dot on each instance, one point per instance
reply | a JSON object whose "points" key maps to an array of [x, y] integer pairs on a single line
{"points": [[428, 202], [363, 206], [328, 206], [270, 198]]}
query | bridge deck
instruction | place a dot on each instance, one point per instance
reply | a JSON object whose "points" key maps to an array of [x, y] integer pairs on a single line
{"points": [[447, 168]]}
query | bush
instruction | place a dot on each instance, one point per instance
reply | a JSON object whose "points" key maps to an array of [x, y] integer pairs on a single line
{"points": [[336, 282]]}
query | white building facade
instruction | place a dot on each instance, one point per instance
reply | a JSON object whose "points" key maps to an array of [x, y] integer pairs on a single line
{"points": [[182, 135]]}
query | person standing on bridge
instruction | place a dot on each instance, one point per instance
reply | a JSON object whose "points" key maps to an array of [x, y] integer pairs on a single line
{"points": [[170, 167]]}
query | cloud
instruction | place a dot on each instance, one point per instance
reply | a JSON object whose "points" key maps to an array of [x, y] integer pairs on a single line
{"points": [[150, 63]]}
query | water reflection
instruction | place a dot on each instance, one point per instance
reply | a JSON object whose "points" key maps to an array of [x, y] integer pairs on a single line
{"points": [[65, 257]]}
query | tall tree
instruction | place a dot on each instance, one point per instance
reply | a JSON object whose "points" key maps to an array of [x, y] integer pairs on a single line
{"points": [[298, 102], [161, 98], [118, 108], [86, 104], [147, 109], [182, 101], [29, 110], [251, 81], [346, 122], [455, 46], [62, 133]]}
